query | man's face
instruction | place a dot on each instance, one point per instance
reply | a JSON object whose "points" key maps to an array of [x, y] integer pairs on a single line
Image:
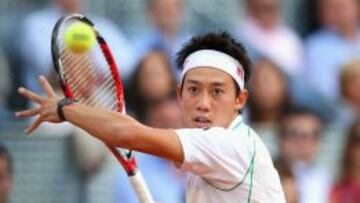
{"points": [[70, 6], [167, 15], [339, 14], [5, 180], [155, 79], [268, 86], [208, 98], [301, 137], [265, 12]]}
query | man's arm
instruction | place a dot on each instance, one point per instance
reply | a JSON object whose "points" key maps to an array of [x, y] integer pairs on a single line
{"points": [[112, 128], [121, 130]]}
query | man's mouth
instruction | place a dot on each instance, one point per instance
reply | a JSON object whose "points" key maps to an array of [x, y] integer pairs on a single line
{"points": [[202, 122]]}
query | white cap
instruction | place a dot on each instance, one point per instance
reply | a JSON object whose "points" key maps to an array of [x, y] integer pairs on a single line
{"points": [[215, 59]]}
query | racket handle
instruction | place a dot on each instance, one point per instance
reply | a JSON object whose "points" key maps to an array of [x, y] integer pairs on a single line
{"points": [[138, 183]]}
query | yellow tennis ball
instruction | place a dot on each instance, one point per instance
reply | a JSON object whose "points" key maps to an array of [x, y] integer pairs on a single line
{"points": [[79, 37]]}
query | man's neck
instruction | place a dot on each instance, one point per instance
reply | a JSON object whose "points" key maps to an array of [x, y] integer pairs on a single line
{"points": [[232, 124]]}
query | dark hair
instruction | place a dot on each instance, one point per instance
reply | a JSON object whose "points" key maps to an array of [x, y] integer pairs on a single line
{"points": [[300, 110], [352, 140], [297, 111], [284, 168], [134, 98], [256, 115], [220, 41], [4, 154]]}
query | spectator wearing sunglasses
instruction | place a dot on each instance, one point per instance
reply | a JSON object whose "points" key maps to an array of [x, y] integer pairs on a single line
{"points": [[299, 142]]}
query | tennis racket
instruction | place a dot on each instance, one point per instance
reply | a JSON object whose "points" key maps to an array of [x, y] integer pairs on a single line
{"points": [[92, 78]]}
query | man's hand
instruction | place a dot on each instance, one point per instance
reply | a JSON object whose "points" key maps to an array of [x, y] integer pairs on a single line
{"points": [[47, 106]]}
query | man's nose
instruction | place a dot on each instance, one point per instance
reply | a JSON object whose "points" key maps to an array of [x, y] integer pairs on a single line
{"points": [[204, 102]]}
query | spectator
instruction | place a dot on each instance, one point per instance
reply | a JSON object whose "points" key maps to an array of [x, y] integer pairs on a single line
{"points": [[337, 41], [347, 188], [269, 98], [37, 29], [299, 142], [167, 33], [6, 175], [349, 89], [264, 33], [269, 94], [152, 80]]}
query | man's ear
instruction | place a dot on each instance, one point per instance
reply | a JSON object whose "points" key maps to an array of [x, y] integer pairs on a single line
{"points": [[178, 93], [241, 99]]}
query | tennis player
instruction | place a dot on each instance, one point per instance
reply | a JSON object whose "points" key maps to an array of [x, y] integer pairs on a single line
{"points": [[226, 159]]}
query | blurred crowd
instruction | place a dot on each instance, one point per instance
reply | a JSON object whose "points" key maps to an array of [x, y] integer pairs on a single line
{"points": [[302, 89]]}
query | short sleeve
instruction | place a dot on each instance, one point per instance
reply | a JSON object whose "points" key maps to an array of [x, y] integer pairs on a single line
{"points": [[216, 154]]}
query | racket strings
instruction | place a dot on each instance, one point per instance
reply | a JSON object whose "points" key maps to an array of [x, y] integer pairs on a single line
{"points": [[74, 72], [107, 87], [88, 76]]}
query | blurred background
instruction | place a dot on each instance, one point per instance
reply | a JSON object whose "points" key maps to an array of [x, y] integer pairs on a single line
{"points": [[304, 94]]}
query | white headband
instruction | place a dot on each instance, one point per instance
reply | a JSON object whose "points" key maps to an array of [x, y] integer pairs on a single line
{"points": [[215, 59]]}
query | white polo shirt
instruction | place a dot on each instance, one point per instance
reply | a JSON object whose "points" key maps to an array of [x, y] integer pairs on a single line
{"points": [[228, 165]]}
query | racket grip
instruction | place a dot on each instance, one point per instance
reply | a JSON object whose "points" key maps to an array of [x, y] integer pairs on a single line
{"points": [[138, 183]]}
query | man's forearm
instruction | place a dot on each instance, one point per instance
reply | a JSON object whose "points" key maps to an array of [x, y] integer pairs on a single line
{"points": [[102, 124], [120, 130]]}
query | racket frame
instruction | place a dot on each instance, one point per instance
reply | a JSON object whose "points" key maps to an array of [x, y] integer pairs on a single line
{"points": [[125, 157]]}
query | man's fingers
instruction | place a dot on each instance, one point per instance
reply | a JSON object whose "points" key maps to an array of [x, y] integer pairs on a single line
{"points": [[33, 126], [27, 113], [30, 95], [47, 87]]}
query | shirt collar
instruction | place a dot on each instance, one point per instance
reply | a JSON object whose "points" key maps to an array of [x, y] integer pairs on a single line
{"points": [[236, 122]]}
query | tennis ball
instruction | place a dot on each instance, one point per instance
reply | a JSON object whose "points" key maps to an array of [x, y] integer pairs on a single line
{"points": [[79, 37]]}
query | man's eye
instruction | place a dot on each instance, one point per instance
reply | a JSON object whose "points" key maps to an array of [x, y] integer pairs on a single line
{"points": [[192, 89], [218, 91]]}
